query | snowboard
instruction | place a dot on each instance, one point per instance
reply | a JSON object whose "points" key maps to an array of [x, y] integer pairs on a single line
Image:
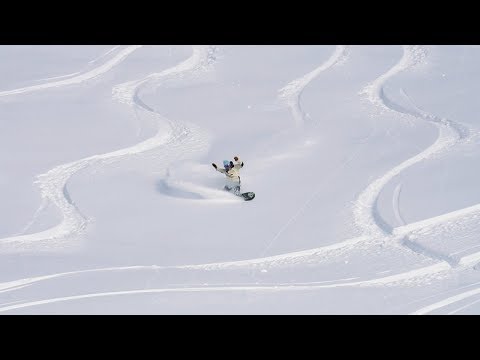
{"points": [[247, 195]]}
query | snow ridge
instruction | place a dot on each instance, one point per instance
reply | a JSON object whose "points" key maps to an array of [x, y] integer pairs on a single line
{"points": [[292, 92]]}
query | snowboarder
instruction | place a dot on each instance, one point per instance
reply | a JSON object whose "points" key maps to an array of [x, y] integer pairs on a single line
{"points": [[231, 171]]}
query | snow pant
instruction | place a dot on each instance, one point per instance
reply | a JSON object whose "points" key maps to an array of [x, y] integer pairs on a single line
{"points": [[233, 186]]}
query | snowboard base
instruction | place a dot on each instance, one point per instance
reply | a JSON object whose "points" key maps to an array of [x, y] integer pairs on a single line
{"points": [[248, 195]]}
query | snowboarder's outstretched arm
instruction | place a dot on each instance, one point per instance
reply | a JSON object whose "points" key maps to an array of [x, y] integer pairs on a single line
{"points": [[238, 164], [219, 170]]}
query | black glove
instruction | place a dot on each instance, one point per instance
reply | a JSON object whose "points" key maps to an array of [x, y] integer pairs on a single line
{"points": [[215, 166], [231, 164]]}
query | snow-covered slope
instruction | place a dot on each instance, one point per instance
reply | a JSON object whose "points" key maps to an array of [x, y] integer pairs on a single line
{"points": [[362, 158]]}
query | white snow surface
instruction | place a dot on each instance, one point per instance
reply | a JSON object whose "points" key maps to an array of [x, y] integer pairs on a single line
{"points": [[364, 162]]}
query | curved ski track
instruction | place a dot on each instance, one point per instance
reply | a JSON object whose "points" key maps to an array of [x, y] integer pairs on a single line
{"points": [[292, 92], [76, 79]]}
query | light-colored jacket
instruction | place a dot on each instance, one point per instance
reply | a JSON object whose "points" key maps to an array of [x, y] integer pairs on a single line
{"points": [[233, 175]]}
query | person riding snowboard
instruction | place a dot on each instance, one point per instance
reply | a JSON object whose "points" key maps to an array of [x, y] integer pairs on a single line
{"points": [[231, 171]]}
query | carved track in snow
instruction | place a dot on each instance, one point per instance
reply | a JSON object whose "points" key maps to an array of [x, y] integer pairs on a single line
{"points": [[292, 92], [365, 210], [76, 79]]}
